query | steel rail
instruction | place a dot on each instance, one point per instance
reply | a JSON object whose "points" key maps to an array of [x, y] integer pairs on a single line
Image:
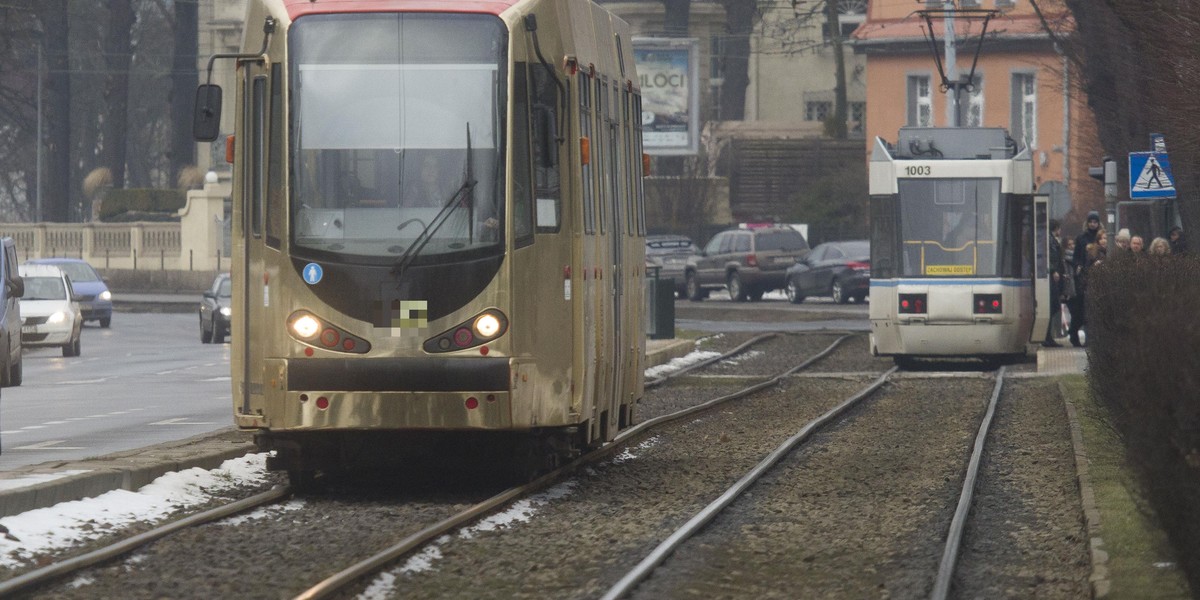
{"points": [[708, 361], [696, 523], [941, 585], [388, 555], [50, 572]]}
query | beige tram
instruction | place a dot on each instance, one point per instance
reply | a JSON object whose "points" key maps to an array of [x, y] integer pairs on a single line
{"points": [[438, 229]]}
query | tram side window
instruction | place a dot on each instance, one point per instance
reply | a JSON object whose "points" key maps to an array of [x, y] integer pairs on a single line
{"points": [[522, 185], [275, 184], [257, 169], [598, 149], [585, 131], [883, 237], [544, 118], [639, 182]]}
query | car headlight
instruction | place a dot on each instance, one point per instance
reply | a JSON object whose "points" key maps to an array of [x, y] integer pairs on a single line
{"points": [[105, 295], [57, 317], [226, 311]]}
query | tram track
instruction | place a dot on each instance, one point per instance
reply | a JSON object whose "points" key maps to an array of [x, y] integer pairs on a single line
{"points": [[834, 556], [644, 501], [60, 569]]}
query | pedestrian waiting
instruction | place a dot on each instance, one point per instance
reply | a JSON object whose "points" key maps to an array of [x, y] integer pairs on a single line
{"points": [[1175, 237], [1137, 244], [1160, 247]]}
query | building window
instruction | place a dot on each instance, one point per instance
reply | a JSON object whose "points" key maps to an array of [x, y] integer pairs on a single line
{"points": [[851, 14], [817, 111], [920, 101], [1024, 108], [972, 104], [858, 117]]}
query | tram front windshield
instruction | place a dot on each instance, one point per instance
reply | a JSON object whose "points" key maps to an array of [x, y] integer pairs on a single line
{"points": [[952, 227], [384, 108]]}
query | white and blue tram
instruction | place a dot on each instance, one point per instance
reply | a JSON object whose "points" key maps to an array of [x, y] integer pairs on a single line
{"points": [[438, 229], [958, 246]]}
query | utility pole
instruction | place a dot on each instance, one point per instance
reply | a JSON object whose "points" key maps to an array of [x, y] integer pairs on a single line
{"points": [[951, 66], [952, 83], [37, 215]]}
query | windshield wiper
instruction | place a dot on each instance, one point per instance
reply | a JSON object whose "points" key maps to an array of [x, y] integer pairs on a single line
{"points": [[468, 186]]}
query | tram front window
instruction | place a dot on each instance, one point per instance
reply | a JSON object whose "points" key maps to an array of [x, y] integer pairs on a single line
{"points": [[950, 227], [385, 110]]}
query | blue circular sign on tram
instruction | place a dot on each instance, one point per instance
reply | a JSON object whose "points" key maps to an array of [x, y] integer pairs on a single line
{"points": [[313, 273]]}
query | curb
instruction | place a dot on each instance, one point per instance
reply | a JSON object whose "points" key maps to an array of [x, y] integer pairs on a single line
{"points": [[40, 486], [1100, 583], [667, 350]]}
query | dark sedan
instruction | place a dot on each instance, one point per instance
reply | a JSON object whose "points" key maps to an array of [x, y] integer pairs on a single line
{"points": [[841, 270], [215, 310]]}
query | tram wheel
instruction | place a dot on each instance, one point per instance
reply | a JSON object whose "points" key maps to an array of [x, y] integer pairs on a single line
{"points": [[302, 480]]}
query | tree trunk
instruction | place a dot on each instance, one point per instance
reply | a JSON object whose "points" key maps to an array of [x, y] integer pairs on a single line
{"points": [[676, 17], [57, 117], [735, 57], [118, 46], [183, 85], [837, 128]]}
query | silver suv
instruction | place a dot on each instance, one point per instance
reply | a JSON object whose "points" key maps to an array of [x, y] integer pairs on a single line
{"points": [[749, 262]]}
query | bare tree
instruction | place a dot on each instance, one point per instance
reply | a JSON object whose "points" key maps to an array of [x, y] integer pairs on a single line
{"points": [[118, 52], [53, 18]]}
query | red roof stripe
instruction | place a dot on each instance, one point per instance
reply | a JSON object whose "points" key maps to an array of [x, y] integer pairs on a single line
{"points": [[297, 8]]}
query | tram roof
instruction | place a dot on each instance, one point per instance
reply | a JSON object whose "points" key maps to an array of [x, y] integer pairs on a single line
{"points": [[297, 8]]}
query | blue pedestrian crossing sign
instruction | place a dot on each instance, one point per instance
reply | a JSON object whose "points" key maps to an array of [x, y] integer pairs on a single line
{"points": [[1150, 176]]}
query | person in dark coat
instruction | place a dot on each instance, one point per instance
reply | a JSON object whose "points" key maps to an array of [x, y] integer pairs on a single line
{"points": [[1057, 270], [1175, 238], [1081, 262]]}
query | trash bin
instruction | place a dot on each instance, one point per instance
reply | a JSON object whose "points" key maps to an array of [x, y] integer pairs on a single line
{"points": [[660, 295]]}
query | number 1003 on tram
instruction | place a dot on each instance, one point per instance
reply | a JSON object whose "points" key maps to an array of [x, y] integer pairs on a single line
{"points": [[438, 230], [958, 246]]}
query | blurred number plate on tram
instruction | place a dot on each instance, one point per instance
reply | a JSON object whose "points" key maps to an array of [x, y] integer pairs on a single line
{"points": [[949, 270]]}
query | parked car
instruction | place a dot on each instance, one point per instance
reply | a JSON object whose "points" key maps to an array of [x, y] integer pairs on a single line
{"points": [[670, 254], [94, 298], [50, 314], [841, 270], [749, 262], [215, 310], [10, 314]]}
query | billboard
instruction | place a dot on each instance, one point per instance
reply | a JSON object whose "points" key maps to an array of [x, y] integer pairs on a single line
{"points": [[667, 69]]}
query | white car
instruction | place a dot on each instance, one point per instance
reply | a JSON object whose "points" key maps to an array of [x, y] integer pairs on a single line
{"points": [[50, 314]]}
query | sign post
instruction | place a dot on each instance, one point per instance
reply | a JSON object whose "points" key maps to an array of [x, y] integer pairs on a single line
{"points": [[668, 69]]}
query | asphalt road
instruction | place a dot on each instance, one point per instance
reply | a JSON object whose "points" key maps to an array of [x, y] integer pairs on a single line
{"points": [[148, 380], [145, 380]]}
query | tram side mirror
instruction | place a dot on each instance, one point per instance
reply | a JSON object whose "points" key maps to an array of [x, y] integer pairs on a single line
{"points": [[15, 287], [206, 116]]}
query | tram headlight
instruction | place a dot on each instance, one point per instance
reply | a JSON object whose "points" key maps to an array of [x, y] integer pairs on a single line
{"points": [[481, 329], [487, 325], [305, 327]]}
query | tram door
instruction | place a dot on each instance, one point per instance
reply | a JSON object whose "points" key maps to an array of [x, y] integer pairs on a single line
{"points": [[249, 228], [1041, 273], [617, 235]]}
